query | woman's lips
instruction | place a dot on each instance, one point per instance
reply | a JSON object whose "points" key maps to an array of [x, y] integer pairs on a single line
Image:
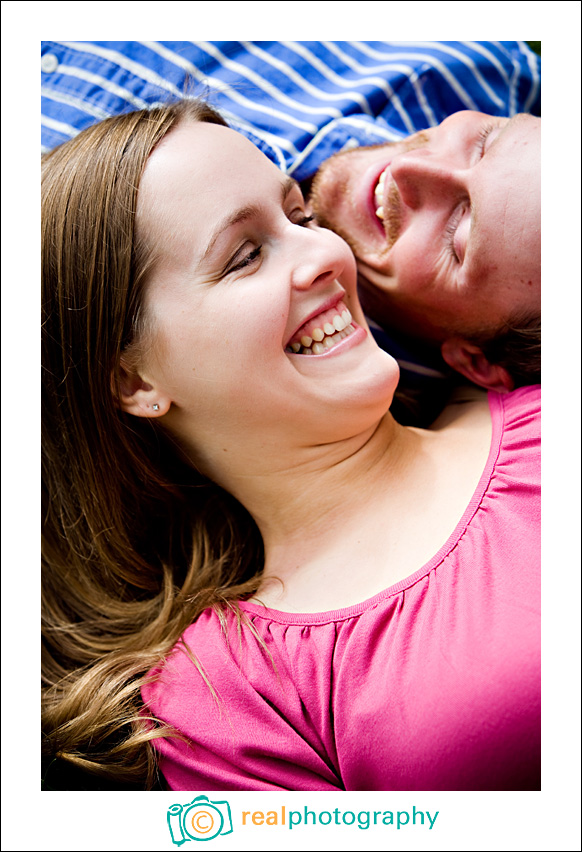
{"points": [[331, 302], [333, 345], [321, 332]]}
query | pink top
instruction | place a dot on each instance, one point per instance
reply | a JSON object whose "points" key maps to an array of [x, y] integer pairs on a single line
{"points": [[433, 684]]}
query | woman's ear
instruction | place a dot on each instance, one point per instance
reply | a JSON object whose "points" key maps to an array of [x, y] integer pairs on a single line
{"points": [[137, 396], [468, 359]]}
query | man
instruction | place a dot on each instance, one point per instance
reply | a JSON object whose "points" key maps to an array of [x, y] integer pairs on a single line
{"points": [[446, 229]]}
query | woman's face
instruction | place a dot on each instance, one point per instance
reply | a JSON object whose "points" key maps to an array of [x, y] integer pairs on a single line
{"points": [[240, 279]]}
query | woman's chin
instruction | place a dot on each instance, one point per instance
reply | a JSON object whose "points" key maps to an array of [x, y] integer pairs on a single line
{"points": [[381, 382], [366, 395]]}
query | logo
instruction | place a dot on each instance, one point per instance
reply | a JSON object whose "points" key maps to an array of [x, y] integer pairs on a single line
{"points": [[200, 820]]}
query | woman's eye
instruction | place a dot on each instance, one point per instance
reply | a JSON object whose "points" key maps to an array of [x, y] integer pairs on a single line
{"points": [[246, 260], [304, 220], [249, 258]]}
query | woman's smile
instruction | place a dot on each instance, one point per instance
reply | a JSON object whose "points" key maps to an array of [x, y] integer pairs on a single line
{"points": [[323, 332]]}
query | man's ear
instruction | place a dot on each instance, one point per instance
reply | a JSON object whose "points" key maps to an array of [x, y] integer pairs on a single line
{"points": [[137, 396], [468, 359]]}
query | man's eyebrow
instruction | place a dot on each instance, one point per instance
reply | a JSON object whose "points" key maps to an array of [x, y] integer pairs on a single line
{"points": [[247, 212]]}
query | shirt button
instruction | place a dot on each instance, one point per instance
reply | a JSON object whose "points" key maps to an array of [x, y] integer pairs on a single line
{"points": [[49, 63]]}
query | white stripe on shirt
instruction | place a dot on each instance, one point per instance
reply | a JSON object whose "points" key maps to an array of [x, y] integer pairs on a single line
{"points": [[70, 100], [466, 60], [479, 48], [59, 126], [224, 89], [330, 75], [303, 83], [104, 83], [265, 85], [351, 121], [459, 90], [380, 82], [136, 68], [533, 67]]}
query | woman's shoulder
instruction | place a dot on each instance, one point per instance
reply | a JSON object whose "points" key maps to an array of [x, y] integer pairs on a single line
{"points": [[520, 413], [465, 403], [514, 421], [527, 398], [512, 407]]}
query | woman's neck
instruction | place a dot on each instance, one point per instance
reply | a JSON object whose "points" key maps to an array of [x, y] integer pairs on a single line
{"points": [[311, 476], [366, 516], [306, 509]]}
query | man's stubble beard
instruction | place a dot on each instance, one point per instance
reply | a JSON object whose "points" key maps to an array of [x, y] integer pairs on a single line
{"points": [[319, 207], [392, 221], [392, 216]]}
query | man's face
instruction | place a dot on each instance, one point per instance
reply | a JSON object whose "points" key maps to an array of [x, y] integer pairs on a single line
{"points": [[455, 245]]}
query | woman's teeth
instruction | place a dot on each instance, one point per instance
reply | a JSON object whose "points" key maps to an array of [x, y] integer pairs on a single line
{"points": [[379, 194], [321, 339]]}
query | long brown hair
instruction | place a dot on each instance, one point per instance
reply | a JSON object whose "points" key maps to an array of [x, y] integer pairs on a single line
{"points": [[135, 543]]}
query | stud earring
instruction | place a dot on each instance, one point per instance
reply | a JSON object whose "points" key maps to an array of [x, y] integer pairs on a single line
{"points": [[155, 406]]}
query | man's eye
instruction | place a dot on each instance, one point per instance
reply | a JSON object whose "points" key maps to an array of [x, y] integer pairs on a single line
{"points": [[450, 232], [482, 139], [453, 224]]}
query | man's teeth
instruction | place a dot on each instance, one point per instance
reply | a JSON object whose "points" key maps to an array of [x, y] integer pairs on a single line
{"points": [[379, 194], [326, 337]]}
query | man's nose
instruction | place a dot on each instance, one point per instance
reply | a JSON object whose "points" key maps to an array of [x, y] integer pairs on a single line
{"points": [[423, 177]]}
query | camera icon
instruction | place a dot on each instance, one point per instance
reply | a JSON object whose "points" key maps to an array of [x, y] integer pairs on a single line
{"points": [[199, 820]]}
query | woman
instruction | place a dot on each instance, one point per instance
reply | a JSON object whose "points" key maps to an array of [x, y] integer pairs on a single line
{"points": [[305, 593]]}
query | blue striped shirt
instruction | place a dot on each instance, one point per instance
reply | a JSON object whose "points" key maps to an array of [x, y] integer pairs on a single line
{"points": [[299, 102]]}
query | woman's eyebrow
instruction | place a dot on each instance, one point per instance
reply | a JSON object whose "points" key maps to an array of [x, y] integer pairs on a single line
{"points": [[247, 212]]}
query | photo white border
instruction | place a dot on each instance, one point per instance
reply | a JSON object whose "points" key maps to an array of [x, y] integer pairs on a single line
{"points": [[77, 820]]}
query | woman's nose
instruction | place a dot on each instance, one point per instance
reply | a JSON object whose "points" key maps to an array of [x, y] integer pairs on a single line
{"points": [[318, 258], [423, 177]]}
